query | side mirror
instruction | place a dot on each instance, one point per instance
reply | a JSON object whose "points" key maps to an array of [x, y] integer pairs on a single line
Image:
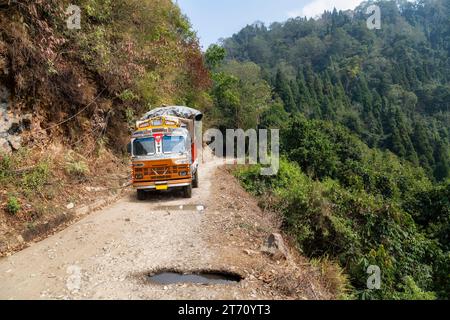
{"points": [[199, 117], [129, 148]]}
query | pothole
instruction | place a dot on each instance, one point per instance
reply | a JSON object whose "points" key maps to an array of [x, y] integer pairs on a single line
{"points": [[202, 278], [190, 207]]}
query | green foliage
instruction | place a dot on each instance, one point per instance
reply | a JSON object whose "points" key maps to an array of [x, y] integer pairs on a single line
{"points": [[274, 117], [11, 162], [325, 150], [214, 56], [95, 49], [355, 228], [431, 210], [240, 95], [77, 168], [283, 88], [131, 117], [98, 10], [412, 292], [390, 87], [35, 179], [5, 166], [13, 205], [128, 95], [442, 275], [144, 52], [360, 206]]}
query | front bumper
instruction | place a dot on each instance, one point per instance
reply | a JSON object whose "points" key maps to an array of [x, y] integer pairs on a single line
{"points": [[161, 184]]}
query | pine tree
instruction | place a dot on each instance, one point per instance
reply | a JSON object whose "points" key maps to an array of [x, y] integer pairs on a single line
{"points": [[423, 145], [295, 94], [442, 167], [283, 89], [305, 102]]}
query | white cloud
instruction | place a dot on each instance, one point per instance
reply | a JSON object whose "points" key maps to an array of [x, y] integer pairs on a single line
{"points": [[317, 7]]}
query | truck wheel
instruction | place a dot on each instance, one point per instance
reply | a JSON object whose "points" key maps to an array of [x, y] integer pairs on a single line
{"points": [[195, 180], [187, 191], [141, 195]]}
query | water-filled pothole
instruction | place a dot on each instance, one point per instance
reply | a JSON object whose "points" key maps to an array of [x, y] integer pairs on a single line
{"points": [[203, 278]]}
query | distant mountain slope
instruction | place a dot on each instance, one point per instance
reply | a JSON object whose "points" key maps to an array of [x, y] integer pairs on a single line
{"points": [[390, 86]]}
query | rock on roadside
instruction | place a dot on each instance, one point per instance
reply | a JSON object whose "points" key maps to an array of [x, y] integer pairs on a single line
{"points": [[275, 247]]}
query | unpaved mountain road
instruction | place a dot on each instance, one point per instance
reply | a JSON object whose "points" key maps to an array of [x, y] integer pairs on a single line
{"points": [[108, 254]]}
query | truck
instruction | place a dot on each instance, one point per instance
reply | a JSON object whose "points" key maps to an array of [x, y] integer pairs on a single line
{"points": [[164, 151]]}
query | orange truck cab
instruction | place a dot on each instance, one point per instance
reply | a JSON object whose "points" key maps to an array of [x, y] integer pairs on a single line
{"points": [[164, 151]]}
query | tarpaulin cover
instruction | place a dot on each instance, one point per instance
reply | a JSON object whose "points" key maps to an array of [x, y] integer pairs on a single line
{"points": [[174, 111]]}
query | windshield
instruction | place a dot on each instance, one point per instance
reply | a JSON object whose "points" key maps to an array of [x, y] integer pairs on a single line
{"points": [[144, 147], [174, 144]]}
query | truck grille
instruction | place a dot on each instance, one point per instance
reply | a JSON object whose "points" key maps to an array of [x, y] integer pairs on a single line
{"points": [[161, 173]]}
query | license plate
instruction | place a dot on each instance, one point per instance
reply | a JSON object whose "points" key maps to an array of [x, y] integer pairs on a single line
{"points": [[163, 187]]}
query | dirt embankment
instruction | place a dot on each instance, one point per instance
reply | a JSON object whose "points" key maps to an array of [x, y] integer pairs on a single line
{"points": [[108, 255], [43, 190]]}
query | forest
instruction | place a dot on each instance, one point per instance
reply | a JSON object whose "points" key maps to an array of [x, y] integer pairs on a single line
{"points": [[389, 86], [364, 118]]}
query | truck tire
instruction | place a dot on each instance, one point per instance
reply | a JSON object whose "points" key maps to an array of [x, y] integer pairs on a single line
{"points": [[187, 191], [195, 180], [141, 195]]}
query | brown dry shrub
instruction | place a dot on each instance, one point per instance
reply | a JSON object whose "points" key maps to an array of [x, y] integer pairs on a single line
{"points": [[333, 278]]}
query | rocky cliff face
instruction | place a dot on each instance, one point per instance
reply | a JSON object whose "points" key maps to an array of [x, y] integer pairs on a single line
{"points": [[11, 124]]}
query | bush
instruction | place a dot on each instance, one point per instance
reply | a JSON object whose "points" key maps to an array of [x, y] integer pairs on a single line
{"points": [[13, 205], [128, 95], [37, 178], [77, 169], [412, 292]]}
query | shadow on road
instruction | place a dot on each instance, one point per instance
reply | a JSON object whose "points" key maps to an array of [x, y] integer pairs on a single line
{"points": [[158, 196]]}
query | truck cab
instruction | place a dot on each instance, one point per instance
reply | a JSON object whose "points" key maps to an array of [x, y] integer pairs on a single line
{"points": [[163, 155]]}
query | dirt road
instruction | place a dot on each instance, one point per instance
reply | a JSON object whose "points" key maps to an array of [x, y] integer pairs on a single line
{"points": [[109, 254]]}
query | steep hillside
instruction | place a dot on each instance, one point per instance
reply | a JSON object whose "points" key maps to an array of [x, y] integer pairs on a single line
{"points": [[364, 126], [68, 98], [128, 56], [343, 201]]}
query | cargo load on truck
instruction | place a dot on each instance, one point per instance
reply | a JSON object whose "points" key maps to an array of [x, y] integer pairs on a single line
{"points": [[175, 111]]}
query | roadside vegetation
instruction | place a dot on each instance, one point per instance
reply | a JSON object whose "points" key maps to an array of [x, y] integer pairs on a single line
{"points": [[361, 207]]}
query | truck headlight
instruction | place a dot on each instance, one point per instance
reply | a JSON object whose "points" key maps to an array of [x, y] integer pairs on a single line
{"points": [[183, 173], [139, 176]]}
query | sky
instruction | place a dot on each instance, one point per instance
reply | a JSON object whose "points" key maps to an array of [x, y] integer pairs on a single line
{"points": [[215, 19]]}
